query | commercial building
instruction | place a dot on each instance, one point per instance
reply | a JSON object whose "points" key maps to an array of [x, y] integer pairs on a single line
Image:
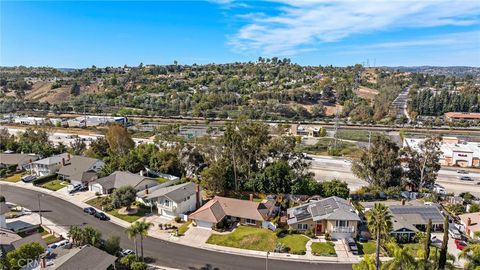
{"points": [[455, 152], [449, 116]]}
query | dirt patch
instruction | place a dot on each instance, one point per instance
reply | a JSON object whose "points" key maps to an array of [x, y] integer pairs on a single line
{"points": [[332, 110], [366, 93]]}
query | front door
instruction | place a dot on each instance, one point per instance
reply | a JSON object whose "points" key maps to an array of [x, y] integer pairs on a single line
{"points": [[318, 229]]}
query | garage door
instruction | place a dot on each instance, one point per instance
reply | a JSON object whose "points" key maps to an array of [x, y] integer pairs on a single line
{"points": [[97, 188], [204, 224]]}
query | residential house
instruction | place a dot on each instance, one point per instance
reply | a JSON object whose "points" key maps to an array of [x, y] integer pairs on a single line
{"points": [[10, 240], [21, 161], [409, 219], [173, 201], [332, 215], [86, 257], [244, 212], [49, 165], [106, 185], [471, 223], [81, 170]]}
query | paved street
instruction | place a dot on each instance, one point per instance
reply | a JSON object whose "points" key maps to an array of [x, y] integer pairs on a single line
{"points": [[165, 253], [327, 168]]}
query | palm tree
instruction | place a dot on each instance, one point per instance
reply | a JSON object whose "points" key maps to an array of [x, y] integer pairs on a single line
{"points": [[380, 224], [368, 263], [142, 229], [132, 233], [75, 233], [402, 260], [471, 254], [91, 236]]}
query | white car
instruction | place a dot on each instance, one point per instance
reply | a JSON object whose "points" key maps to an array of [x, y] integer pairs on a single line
{"points": [[126, 252], [58, 244], [28, 178]]}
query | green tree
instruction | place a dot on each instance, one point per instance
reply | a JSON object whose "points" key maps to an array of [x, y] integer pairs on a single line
{"points": [[128, 260], [142, 229], [132, 233], [424, 164], [124, 197], [442, 259], [214, 178], [138, 266], [379, 165], [78, 146], [323, 132], [119, 140], [426, 245], [335, 188], [23, 254], [402, 260], [367, 263], [277, 177], [471, 254], [379, 223], [112, 245]]}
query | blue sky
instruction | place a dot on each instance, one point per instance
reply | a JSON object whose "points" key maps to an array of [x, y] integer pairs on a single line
{"points": [[314, 32]]}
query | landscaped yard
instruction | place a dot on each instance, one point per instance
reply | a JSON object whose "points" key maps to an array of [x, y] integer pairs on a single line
{"points": [[184, 228], [366, 248], [296, 243], [322, 146], [13, 178], [129, 218], [323, 249], [54, 184], [414, 247], [246, 238]]}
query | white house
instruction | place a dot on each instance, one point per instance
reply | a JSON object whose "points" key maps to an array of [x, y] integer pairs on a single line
{"points": [[49, 165], [172, 201]]}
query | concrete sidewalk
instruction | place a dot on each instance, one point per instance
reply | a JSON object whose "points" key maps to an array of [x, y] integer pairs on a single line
{"points": [[191, 238]]}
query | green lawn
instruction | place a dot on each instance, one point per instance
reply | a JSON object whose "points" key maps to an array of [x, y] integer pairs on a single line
{"points": [[184, 228], [323, 249], [367, 247], [414, 247], [13, 178], [51, 239], [54, 184], [246, 238], [296, 243], [355, 135], [129, 218]]}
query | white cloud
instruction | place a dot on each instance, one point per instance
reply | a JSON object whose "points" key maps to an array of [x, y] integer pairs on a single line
{"points": [[303, 25]]}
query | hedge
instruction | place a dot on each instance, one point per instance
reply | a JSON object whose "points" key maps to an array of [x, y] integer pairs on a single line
{"points": [[44, 179]]}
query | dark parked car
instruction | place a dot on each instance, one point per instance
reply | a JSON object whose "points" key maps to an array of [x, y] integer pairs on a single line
{"points": [[101, 216], [352, 246], [466, 178], [90, 210]]}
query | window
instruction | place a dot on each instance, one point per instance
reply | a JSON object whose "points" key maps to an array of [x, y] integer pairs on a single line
{"points": [[167, 202], [302, 226], [250, 221], [341, 223]]}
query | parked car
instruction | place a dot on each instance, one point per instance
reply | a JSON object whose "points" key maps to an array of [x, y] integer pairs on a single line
{"points": [[460, 244], [466, 178], [462, 171], [125, 252], [75, 188], [90, 210], [352, 246], [28, 178], [101, 216], [58, 244], [454, 233], [439, 190]]}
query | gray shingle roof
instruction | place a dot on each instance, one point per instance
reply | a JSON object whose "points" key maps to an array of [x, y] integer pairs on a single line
{"points": [[86, 257], [121, 178], [16, 159], [176, 193], [407, 216], [331, 208], [77, 165]]}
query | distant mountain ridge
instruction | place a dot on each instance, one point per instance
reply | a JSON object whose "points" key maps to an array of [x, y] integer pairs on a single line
{"points": [[439, 70]]}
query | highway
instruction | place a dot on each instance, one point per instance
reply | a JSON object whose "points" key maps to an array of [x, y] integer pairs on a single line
{"points": [[327, 168], [164, 253]]}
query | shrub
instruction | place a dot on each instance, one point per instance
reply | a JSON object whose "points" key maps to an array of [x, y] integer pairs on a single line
{"points": [[310, 232], [108, 207], [281, 248], [281, 232], [328, 236], [44, 179], [178, 219]]}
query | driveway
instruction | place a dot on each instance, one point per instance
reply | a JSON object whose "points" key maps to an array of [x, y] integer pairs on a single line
{"points": [[165, 253], [82, 196]]}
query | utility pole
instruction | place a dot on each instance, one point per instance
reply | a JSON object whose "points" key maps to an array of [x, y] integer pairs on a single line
{"points": [[84, 114], [39, 208], [266, 261], [335, 131], [369, 138]]}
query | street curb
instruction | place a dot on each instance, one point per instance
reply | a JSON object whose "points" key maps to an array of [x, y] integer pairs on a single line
{"points": [[205, 246]]}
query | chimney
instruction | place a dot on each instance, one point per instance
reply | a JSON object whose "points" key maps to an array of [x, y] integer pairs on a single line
{"points": [[403, 201], [349, 200], [469, 221], [63, 161], [251, 197], [146, 189], [197, 195]]}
